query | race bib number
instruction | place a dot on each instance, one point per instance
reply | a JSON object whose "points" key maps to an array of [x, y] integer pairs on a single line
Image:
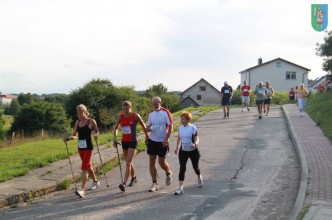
{"points": [[261, 91], [126, 130], [226, 91], [157, 127], [82, 144], [291, 95], [186, 147], [245, 90]]}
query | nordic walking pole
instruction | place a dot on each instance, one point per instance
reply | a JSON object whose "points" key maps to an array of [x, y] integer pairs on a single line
{"points": [[71, 167], [117, 151], [101, 161]]}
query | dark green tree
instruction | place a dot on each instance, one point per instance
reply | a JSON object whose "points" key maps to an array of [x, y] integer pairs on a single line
{"points": [[26, 98], [325, 50], [2, 123], [13, 108], [57, 98], [40, 115], [156, 90], [171, 101]]}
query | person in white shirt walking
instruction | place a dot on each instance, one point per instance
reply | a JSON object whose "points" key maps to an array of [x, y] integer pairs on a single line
{"points": [[160, 126]]}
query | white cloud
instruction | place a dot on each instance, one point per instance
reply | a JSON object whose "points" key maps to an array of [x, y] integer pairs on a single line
{"points": [[57, 46]]}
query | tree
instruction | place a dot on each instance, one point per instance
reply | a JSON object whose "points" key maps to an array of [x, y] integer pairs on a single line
{"points": [[171, 101], [26, 98], [2, 123], [13, 108], [156, 90], [325, 50], [40, 115], [58, 98]]}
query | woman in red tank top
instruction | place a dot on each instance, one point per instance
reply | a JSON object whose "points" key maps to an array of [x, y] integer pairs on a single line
{"points": [[128, 122]]}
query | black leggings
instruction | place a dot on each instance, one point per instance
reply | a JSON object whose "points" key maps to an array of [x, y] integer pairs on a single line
{"points": [[183, 158]]}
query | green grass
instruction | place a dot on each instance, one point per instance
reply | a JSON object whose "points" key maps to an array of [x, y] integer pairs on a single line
{"points": [[320, 110], [303, 212], [8, 121], [18, 160]]}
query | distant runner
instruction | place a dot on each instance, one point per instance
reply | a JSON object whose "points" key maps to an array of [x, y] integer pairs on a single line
{"points": [[268, 98], [302, 94], [260, 93], [226, 96], [245, 92]]}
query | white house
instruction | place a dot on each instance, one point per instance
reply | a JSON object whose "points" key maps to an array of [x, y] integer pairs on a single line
{"points": [[201, 93], [281, 73], [6, 99]]}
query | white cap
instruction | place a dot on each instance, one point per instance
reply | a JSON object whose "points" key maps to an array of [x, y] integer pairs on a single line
{"points": [[225, 82]]}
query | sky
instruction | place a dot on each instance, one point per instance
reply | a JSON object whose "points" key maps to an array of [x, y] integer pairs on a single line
{"points": [[57, 46]]}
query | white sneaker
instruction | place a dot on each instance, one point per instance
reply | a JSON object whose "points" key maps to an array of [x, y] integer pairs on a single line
{"points": [[169, 179], [94, 185], [242, 110], [80, 193], [154, 187], [179, 191], [200, 181]]}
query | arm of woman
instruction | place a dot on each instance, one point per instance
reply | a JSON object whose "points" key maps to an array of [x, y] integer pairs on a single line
{"points": [[178, 144], [141, 122], [74, 134], [115, 131], [94, 128]]}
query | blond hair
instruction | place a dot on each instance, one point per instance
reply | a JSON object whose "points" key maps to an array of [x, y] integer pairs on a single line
{"points": [[83, 108]]}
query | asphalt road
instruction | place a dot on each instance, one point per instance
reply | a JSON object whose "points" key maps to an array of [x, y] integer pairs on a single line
{"points": [[249, 167]]}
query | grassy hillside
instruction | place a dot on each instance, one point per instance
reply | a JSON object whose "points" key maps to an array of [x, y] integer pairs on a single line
{"points": [[320, 110]]}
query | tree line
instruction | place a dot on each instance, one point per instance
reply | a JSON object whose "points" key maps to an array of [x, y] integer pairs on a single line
{"points": [[56, 113]]}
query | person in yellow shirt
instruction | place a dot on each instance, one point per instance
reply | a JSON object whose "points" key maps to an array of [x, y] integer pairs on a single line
{"points": [[302, 94]]}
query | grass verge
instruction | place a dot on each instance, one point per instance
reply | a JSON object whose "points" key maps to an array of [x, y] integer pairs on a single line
{"points": [[320, 110]]}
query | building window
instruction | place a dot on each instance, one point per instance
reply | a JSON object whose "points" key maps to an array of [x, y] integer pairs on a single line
{"points": [[199, 97], [202, 88], [278, 64], [290, 75]]}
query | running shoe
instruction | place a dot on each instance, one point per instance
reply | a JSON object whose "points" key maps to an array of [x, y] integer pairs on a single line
{"points": [[179, 191], [169, 179], [260, 117], [242, 110], [248, 109], [224, 115], [80, 193], [154, 187], [94, 185], [133, 181], [227, 114], [122, 187], [200, 181]]}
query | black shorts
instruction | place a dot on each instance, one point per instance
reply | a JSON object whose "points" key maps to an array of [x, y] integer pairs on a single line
{"points": [[267, 101], [292, 98], [259, 102], [225, 101], [126, 145], [157, 148]]}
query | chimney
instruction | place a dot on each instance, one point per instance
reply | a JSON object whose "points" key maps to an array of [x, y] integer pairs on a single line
{"points": [[260, 61]]}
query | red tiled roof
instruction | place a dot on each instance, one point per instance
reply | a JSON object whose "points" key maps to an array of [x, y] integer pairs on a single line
{"points": [[8, 96]]}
